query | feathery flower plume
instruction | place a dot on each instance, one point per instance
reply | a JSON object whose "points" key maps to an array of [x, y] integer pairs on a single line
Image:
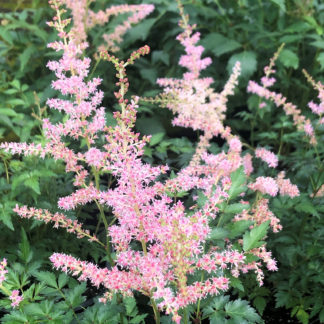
{"points": [[84, 19], [267, 156], [14, 295], [303, 124]]}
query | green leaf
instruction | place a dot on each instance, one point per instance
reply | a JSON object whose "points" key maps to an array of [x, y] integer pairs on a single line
{"points": [[289, 58], [5, 215], [236, 208], [149, 74], [62, 280], [308, 208], [321, 316], [25, 56], [219, 44], [74, 296], [160, 56], [15, 102], [239, 227], [33, 183], [237, 283], [248, 63], [138, 319], [252, 239], [8, 112], [238, 178], [259, 303], [240, 309], [130, 304], [141, 30], [156, 138], [280, 3], [320, 60], [46, 277], [25, 253], [15, 317], [302, 316], [217, 234]]}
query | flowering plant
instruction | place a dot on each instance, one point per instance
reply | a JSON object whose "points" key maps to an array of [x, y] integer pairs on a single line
{"points": [[176, 252]]}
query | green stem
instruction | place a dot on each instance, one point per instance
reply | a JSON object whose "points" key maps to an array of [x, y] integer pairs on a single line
{"points": [[156, 311], [185, 316]]}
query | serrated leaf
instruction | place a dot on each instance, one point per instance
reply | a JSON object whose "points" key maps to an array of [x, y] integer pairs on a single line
{"points": [[46, 277], [130, 304], [240, 309], [138, 319], [259, 303], [248, 63], [15, 317], [160, 56], [74, 296], [219, 44], [289, 59], [252, 239], [15, 102], [156, 138], [5, 216], [238, 178], [236, 208], [217, 234], [308, 208], [239, 227], [8, 112], [25, 56], [237, 283], [25, 253], [302, 316], [141, 30], [33, 183], [62, 280]]}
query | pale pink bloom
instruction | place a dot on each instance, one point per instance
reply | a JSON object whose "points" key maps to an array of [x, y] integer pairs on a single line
{"points": [[286, 187], [265, 185], [267, 82], [15, 298], [316, 109], [299, 120], [267, 156], [235, 144], [260, 213], [59, 220], [3, 270], [247, 163]]}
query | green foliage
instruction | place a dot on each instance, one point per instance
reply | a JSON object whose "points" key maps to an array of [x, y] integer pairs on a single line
{"points": [[224, 311], [252, 239], [249, 31]]}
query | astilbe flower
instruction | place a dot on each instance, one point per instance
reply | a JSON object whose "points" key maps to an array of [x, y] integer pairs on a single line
{"points": [[303, 124], [84, 19], [192, 99], [265, 185], [267, 156], [171, 238], [14, 295], [260, 213]]}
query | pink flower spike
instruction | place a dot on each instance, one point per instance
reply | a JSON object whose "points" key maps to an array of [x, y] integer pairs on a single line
{"points": [[3, 270], [270, 158], [15, 298], [265, 185]]}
